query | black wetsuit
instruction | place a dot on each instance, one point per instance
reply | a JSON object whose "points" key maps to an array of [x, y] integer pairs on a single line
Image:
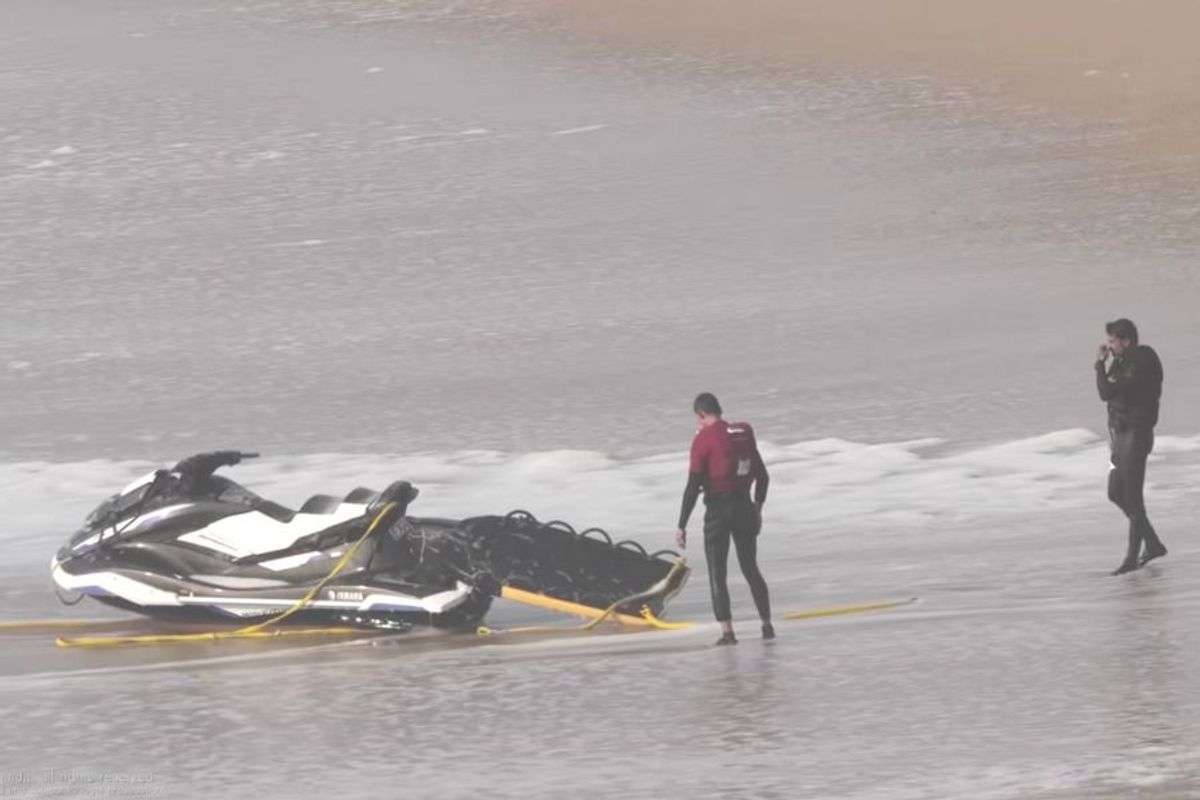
{"points": [[736, 518], [1132, 386], [725, 462]]}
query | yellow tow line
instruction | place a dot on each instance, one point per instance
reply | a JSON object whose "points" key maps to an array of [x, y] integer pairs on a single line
{"points": [[647, 619], [255, 631], [835, 611]]}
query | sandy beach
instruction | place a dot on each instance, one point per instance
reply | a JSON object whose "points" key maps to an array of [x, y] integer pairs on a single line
{"points": [[1112, 61]]}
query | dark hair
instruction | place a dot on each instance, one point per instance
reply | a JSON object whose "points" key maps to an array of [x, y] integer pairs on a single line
{"points": [[706, 403], [1122, 329]]}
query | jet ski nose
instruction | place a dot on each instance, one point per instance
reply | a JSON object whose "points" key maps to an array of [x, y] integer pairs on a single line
{"points": [[82, 541], [64, 554]]}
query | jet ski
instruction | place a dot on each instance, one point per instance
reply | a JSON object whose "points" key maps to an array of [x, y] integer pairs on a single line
{"points": [[187, 545]]}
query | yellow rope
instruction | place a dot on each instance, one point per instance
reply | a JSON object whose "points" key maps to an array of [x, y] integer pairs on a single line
{"points": [[599, 617], [209, 636], [255, 631], [834, 611], [831, 611], [662, 625], [565, 606]]}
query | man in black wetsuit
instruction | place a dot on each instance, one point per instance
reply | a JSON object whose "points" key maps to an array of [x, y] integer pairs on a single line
{"points": [[725, 462], [1132, 386]]}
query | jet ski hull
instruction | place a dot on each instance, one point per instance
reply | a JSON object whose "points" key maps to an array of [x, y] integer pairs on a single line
{"points": [[185, 545]]}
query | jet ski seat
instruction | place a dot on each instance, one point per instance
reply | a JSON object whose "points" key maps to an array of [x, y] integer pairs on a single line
{"points": [[275, 510], [227, 491], [362, 495], [321, 504]]}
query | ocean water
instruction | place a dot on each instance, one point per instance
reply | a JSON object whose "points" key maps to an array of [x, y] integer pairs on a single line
{"points": [[442, 242], [263, 227]]}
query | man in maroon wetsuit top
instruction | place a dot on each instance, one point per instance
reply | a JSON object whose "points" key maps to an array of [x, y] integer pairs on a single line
{"points": [[725, 463]]}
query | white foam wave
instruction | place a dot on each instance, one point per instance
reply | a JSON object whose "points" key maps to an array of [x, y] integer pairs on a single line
{"points": [[815, 485]]}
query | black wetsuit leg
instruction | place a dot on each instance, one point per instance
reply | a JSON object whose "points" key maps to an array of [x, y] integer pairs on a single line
{"points": [[736, 519], [745, 540], [1126, 481], [718, 530]]}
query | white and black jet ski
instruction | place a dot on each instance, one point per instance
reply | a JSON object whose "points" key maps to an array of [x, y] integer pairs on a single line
{"points": [[185, 544]]}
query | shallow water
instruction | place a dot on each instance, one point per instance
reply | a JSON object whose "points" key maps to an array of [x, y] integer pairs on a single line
{"points": [[1023, 670]]}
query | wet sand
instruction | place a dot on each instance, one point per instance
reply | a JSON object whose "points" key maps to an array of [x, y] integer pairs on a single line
{"points": [[1054, 683], [1132, 64]]}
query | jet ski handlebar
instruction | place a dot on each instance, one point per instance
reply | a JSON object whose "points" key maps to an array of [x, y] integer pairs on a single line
{"points": [[203, 465]]}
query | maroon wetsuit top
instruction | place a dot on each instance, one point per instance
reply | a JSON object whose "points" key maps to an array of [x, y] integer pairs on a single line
{"points": [[724, 461]]}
